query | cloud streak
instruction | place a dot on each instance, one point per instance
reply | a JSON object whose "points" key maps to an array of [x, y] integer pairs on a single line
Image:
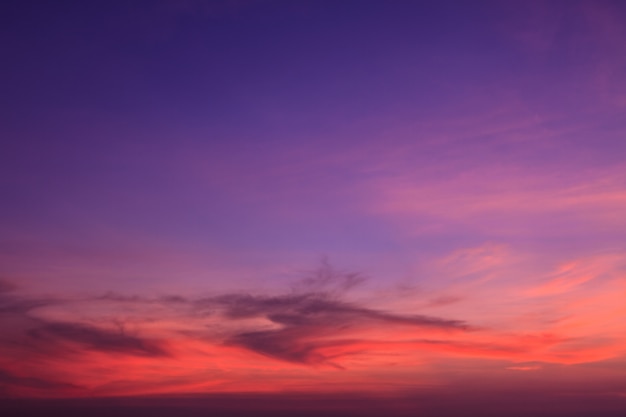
{"points": [[307, 321], [312, 325], [98, 339], [9, 379], [316, 325]]}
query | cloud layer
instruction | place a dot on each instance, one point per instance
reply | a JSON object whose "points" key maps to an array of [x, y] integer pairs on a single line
{"points": [[317, 327]]}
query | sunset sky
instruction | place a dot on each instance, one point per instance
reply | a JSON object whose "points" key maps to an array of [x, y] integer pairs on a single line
{"points": [[367, 206]]}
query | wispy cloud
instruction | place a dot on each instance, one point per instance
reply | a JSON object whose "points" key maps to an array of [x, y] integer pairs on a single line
{"points": [[9, 379], [98, 339], [309, 322], [314, 325], [507, 202]]}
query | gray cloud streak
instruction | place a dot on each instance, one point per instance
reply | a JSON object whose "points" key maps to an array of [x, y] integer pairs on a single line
{"points": [[304, 319]]}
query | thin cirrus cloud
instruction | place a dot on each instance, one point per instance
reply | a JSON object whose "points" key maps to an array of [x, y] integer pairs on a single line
{"points": [[513, 206]]}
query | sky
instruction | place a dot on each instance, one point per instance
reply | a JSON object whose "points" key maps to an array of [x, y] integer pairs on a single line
{"points": [[350, 207]]}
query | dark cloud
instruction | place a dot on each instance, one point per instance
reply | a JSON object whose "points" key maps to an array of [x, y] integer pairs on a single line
{"points": [[12, 304], [136, 299], [311, 318], [316, 308], [6, 286], [299, 326], [29, 335], [15, 305], [286, 344], [8, 379], [98, 339], [304, 319]]}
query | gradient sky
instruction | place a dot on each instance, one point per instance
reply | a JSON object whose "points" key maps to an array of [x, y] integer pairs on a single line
{"points": [[329, 199]]}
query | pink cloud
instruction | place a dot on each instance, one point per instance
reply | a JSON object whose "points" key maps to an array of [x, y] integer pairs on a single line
{"points": [[506, 201]]}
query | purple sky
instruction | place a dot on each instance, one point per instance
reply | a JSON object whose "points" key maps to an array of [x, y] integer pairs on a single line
{"points": [[322, 197]]}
